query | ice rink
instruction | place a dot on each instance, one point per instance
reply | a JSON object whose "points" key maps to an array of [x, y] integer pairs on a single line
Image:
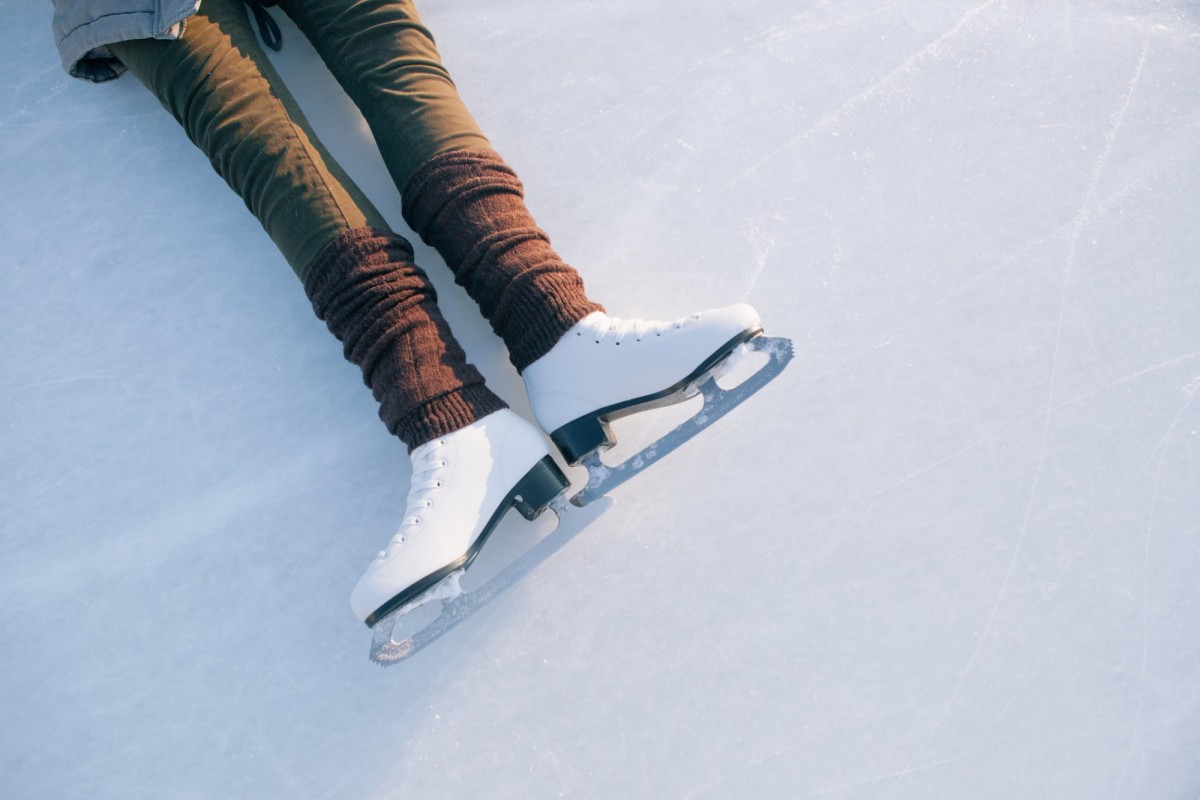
{"points": [[952, 552]]}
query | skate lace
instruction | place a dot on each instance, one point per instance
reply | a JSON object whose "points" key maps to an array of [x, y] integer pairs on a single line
{"points": [[602, 327], [428, 461]]}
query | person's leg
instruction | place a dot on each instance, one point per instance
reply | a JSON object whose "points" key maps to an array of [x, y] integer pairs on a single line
{"points": [[581, 367], [219, 85], [459, 196], [221, 88], [472, 458], [386, 60]]}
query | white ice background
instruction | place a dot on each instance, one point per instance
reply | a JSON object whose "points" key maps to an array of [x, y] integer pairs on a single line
{"points": [[951, 553]]}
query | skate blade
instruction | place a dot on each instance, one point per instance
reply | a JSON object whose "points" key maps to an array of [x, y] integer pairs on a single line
{"points": [[406, 631], [718, 402], [392, 635]]}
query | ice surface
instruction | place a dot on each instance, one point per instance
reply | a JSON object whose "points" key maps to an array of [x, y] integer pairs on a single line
{"points": [[951, 552]]}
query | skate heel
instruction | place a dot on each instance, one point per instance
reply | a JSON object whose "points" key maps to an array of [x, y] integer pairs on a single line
{"points": [[544, 482], [582, 436]]}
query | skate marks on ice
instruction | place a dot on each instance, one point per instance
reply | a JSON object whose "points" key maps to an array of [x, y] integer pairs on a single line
{"points": [[933, 49], [408, 630], [738, 371]]}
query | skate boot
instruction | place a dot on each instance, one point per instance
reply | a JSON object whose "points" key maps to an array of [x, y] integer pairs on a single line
{"points": [[605, 368], [462, 485]]}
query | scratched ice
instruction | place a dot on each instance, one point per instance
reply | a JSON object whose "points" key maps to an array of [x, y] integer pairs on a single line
{"points": [[951, 552]]}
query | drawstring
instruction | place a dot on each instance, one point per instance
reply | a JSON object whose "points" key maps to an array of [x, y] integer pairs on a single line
{"points": [[268, 28]]}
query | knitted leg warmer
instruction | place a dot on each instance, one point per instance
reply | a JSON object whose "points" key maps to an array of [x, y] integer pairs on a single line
{"points": [[382, 307], [469, 205]]}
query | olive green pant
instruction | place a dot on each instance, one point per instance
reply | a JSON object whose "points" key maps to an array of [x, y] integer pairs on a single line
{"points": [[220, 86]]}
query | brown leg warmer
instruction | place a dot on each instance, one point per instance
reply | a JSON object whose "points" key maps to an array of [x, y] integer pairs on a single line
{"points": [[382, 307], [470, 206]]}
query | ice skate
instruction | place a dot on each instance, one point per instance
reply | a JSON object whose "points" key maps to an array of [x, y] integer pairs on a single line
{"points": [[462, 485], [606, 368]]}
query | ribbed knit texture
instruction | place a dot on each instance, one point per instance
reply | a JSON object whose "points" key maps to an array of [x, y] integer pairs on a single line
{"points": [[382, 307], [470, 206]]}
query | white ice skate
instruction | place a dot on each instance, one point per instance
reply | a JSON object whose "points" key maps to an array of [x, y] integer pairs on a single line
{"points": [[462, 485], [605, 368]]}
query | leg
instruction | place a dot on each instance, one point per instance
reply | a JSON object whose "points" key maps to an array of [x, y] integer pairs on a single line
{"points": [[218, 84], [221, 88], [459, 196], [386, 60], [472, 458]]}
